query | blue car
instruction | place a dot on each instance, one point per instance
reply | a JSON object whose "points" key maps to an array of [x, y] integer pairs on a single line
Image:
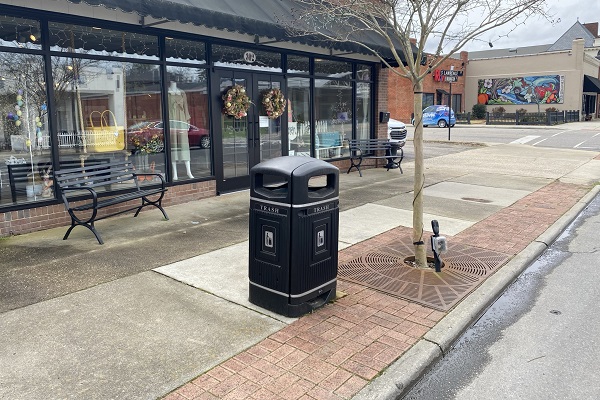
{"points": [[438, 115]]}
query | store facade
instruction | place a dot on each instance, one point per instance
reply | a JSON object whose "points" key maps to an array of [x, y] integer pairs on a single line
{"points": [[83, 84], [436, 90]]}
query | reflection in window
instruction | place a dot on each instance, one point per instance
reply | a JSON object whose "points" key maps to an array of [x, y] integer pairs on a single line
{"points": [[19, 33], [298, 64], [269, 129], [102, 41], [25, 171], [363, 110], [185, 51], [235, 137], [333, 69], [108, 111], [188, 122], [363, 72], [457, 103], [333, 117], [299, 124], [237, 57], [427, 99]]}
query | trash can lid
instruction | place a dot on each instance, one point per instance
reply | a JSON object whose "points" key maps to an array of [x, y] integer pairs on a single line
{"points": [[295, 172], [282, 165]]}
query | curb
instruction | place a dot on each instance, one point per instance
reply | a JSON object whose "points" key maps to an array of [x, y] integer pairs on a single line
{"points": [[399, 378]]}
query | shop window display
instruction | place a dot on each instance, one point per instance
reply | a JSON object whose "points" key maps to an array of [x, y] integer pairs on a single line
{"points": [[24, 146], [188, 123], [102, 109], [299, 117], [333, 117]]}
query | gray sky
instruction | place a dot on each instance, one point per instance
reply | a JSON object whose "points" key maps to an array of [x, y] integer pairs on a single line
{"points": [[536, 31]]}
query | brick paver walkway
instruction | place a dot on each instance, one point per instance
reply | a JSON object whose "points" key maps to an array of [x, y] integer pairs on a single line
{"points": [[335, 351]]}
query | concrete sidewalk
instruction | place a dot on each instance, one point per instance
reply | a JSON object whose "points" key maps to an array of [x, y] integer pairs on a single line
{"points": [[161, 309]]}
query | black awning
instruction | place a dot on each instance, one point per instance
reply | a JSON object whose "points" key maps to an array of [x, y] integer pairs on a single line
{"points": [[591, 84], [442, 91], [252, 17]]}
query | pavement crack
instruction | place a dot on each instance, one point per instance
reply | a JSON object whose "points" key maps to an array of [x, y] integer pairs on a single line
{"points": [[438, 345]]}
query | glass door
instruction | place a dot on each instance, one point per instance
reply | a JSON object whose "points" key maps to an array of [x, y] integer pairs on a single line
{"points": [[243, 141]]}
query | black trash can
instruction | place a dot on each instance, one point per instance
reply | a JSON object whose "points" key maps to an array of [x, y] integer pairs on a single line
{"points": [[294, 226]]}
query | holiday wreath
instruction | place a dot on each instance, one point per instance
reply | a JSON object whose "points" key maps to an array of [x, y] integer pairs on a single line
{"points": [[274, 103], [236, 102]]}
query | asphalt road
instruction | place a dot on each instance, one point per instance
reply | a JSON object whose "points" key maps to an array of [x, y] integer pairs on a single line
{"points": [[555, 136], [540, 339]]}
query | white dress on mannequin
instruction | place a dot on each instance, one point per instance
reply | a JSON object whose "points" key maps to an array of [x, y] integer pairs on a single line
{"points": [[180, 145]]}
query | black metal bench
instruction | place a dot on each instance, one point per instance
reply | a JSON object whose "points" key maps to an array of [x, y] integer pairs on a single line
{"points": [[75, 182], [361, 149]]}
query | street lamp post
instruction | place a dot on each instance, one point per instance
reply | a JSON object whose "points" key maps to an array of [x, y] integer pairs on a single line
{"points": [[450, 103]]}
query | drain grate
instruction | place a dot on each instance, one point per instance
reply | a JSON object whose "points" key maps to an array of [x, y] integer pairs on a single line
{"points": [[384, 269]]}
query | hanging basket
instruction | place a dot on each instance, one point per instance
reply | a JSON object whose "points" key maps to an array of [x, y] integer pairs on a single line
{"points": [[274, 103], [236, 102]]}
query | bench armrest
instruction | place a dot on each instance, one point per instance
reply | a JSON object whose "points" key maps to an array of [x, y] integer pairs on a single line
{"points": [[63, 193]]}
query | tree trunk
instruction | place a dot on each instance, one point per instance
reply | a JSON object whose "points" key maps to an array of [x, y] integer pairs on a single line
{"points": [[418, 238]]}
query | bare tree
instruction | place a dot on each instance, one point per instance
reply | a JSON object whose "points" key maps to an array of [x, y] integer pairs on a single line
{"points": [[441, 26]]}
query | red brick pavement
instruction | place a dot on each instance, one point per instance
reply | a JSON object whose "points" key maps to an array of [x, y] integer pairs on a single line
{"points": [[329, 354], [511, 229], [334, 352]]}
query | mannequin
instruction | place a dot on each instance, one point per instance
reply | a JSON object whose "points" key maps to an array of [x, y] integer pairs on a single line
{"points": [[180, 145]]}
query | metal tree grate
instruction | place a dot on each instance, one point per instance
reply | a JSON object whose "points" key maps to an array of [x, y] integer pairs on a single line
{"points": [[385, 270]]}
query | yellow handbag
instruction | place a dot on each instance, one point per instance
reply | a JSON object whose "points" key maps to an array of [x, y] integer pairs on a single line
{"points": [[105, 137]]}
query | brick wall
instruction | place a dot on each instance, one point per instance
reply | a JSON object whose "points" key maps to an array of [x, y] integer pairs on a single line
{"points": [[46, 217], [400, 98]]}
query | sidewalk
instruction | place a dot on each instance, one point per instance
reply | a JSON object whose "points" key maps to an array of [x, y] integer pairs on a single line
{"points": [[164, 310]]}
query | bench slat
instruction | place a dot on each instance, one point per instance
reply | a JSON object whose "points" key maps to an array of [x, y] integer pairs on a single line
{"points": [[118, 199]]}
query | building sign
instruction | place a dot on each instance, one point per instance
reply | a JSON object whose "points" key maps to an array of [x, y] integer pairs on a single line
{"points": [[249, 57], [546, 89], [446, 75]]}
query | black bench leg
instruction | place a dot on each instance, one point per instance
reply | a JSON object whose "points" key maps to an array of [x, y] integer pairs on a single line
{"points": [[157, 204], [90, 227], [357, 166], [69, 230], [400, 160]]}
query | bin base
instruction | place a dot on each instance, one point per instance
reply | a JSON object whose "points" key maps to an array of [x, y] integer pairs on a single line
{"points": [[278, 303]]}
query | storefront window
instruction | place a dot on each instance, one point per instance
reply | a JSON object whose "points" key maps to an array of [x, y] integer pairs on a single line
{"points": [[185, 51], [333, 117], [333, 69], [298, 64], [188, 122], [299, 116], [108, 111], [427, 100], [19, 32], [363, 72], [102, 41], [457, 103], [24, 140], [363, 110], [238, 57]]}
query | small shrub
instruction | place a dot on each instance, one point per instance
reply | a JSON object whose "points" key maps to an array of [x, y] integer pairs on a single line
{"points": [[479, 111], [521, 111], [498, 110], [551, 109]]}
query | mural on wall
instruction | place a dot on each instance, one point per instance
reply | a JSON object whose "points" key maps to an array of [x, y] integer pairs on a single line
{"points": [[546, 89]]}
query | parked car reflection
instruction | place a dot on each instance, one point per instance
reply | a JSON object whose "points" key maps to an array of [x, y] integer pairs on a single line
{"points": [[198, 137]]}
